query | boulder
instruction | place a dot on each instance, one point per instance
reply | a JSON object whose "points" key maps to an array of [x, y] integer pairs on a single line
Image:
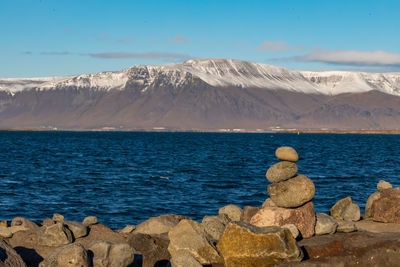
{"points": [[5, 232], [248, 213], [107, 254], [55, 235], [234, 212], [281, 171], [387, 207], [293, 229], [346, 227], [100, 232], [325, 224], [72, 255], [9, 257], [154, 249], [190, 237], [215, 226], [345, 209], [243, 244], [287, 153], [374, 196], [269, 203], [382, 185], [78, 229], [24, 223], [158, 225], [90, 220], [184, 260], [302, 217], [292, 193]]}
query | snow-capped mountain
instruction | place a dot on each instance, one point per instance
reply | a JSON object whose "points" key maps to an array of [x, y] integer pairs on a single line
{"points": [[204, 94], [222, 72]]}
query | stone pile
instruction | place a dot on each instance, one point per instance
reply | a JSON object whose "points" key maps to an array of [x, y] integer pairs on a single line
{"points": [[290, 196]]}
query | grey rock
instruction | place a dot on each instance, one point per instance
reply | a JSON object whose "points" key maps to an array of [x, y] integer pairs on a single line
{"points": [[325, 224], [287, 153], [293, 229], [346, 227], [158, 225], [352, 213], [215, 226], [293, 192], [281, 171], [382, 185], [337, 210], [72, 255], [9, 257], [90, 220], [107, 254], [184, 260], [78, 229], [234, 212], [189, 237], [55, 235]]}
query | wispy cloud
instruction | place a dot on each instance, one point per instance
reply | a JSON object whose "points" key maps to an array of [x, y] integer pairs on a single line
{"points": [[63, 53], [149, 55], [278, 46], [351, 57], [26, 53], [180, 39]]}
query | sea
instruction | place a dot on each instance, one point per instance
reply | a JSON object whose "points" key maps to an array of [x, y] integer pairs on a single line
{"points": [[124, 178]]}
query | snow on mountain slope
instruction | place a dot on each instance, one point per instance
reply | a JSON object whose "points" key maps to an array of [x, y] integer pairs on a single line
{"points": [[219, 72]]}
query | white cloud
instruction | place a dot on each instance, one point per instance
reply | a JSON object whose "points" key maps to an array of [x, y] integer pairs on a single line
{"points": [[352, 57]]}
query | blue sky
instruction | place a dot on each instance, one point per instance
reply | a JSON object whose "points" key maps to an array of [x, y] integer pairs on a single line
{"points": [[65, 37]]}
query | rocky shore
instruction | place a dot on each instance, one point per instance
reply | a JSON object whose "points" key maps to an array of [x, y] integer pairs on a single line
{"points": [[284, 231]]}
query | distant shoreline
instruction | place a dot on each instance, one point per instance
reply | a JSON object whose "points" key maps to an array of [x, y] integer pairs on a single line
{"points": [[284, 131]]}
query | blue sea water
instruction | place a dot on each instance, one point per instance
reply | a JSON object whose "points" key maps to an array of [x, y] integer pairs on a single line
{"points": [[127, 177]]}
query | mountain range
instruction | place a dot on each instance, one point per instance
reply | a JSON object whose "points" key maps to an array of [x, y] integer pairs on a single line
{"points": [[203, 95]]}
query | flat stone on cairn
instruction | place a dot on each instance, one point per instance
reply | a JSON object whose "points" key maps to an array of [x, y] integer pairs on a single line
{"points": [[290, 196]]}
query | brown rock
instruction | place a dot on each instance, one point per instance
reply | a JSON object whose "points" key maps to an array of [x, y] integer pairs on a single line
{"points": [[377, 227], [100, 232], [185, 260], [214, 226], [374, 196], [90, 220], [58, 218], [127, 229], [78, 229], [346, 227], [234, 212], [9, 257], [287, 153], [281, 171], [107, 254], [292, 193], [190, 237], [158, 225], [269, 203], [243, 244], [345, 209], [293, 229], [154, 249], [387, 207], [72, 255], [25, 223], [4, 223], [302, 217], [5, 232], [248, 213], [48, 222], [54, 236], [352, 213], [382, 185]]}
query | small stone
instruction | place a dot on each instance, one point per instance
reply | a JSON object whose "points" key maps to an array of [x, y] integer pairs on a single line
{"points": [[90, 220], [281, 171], [234, 212], [5, 232], [293, 192], [215, 225], [184, 260], [248, 213], [374, 196], [287, 153], [159, 224], [71, 255], [293, 229], [346, 227], [4, 223], [190, 237], [54, 236], [127, 229], [382, 185], [302, 217], [58, 218], [269, 203], [78, 229], [352, 213], [243, 244], [337, 210], [325, 224]]}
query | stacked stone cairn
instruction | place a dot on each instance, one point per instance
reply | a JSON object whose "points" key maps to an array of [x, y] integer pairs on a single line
{"points": [[290, 196]]}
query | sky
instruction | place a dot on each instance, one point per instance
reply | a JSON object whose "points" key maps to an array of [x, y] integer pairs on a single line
{"points": [[40, 38]]}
